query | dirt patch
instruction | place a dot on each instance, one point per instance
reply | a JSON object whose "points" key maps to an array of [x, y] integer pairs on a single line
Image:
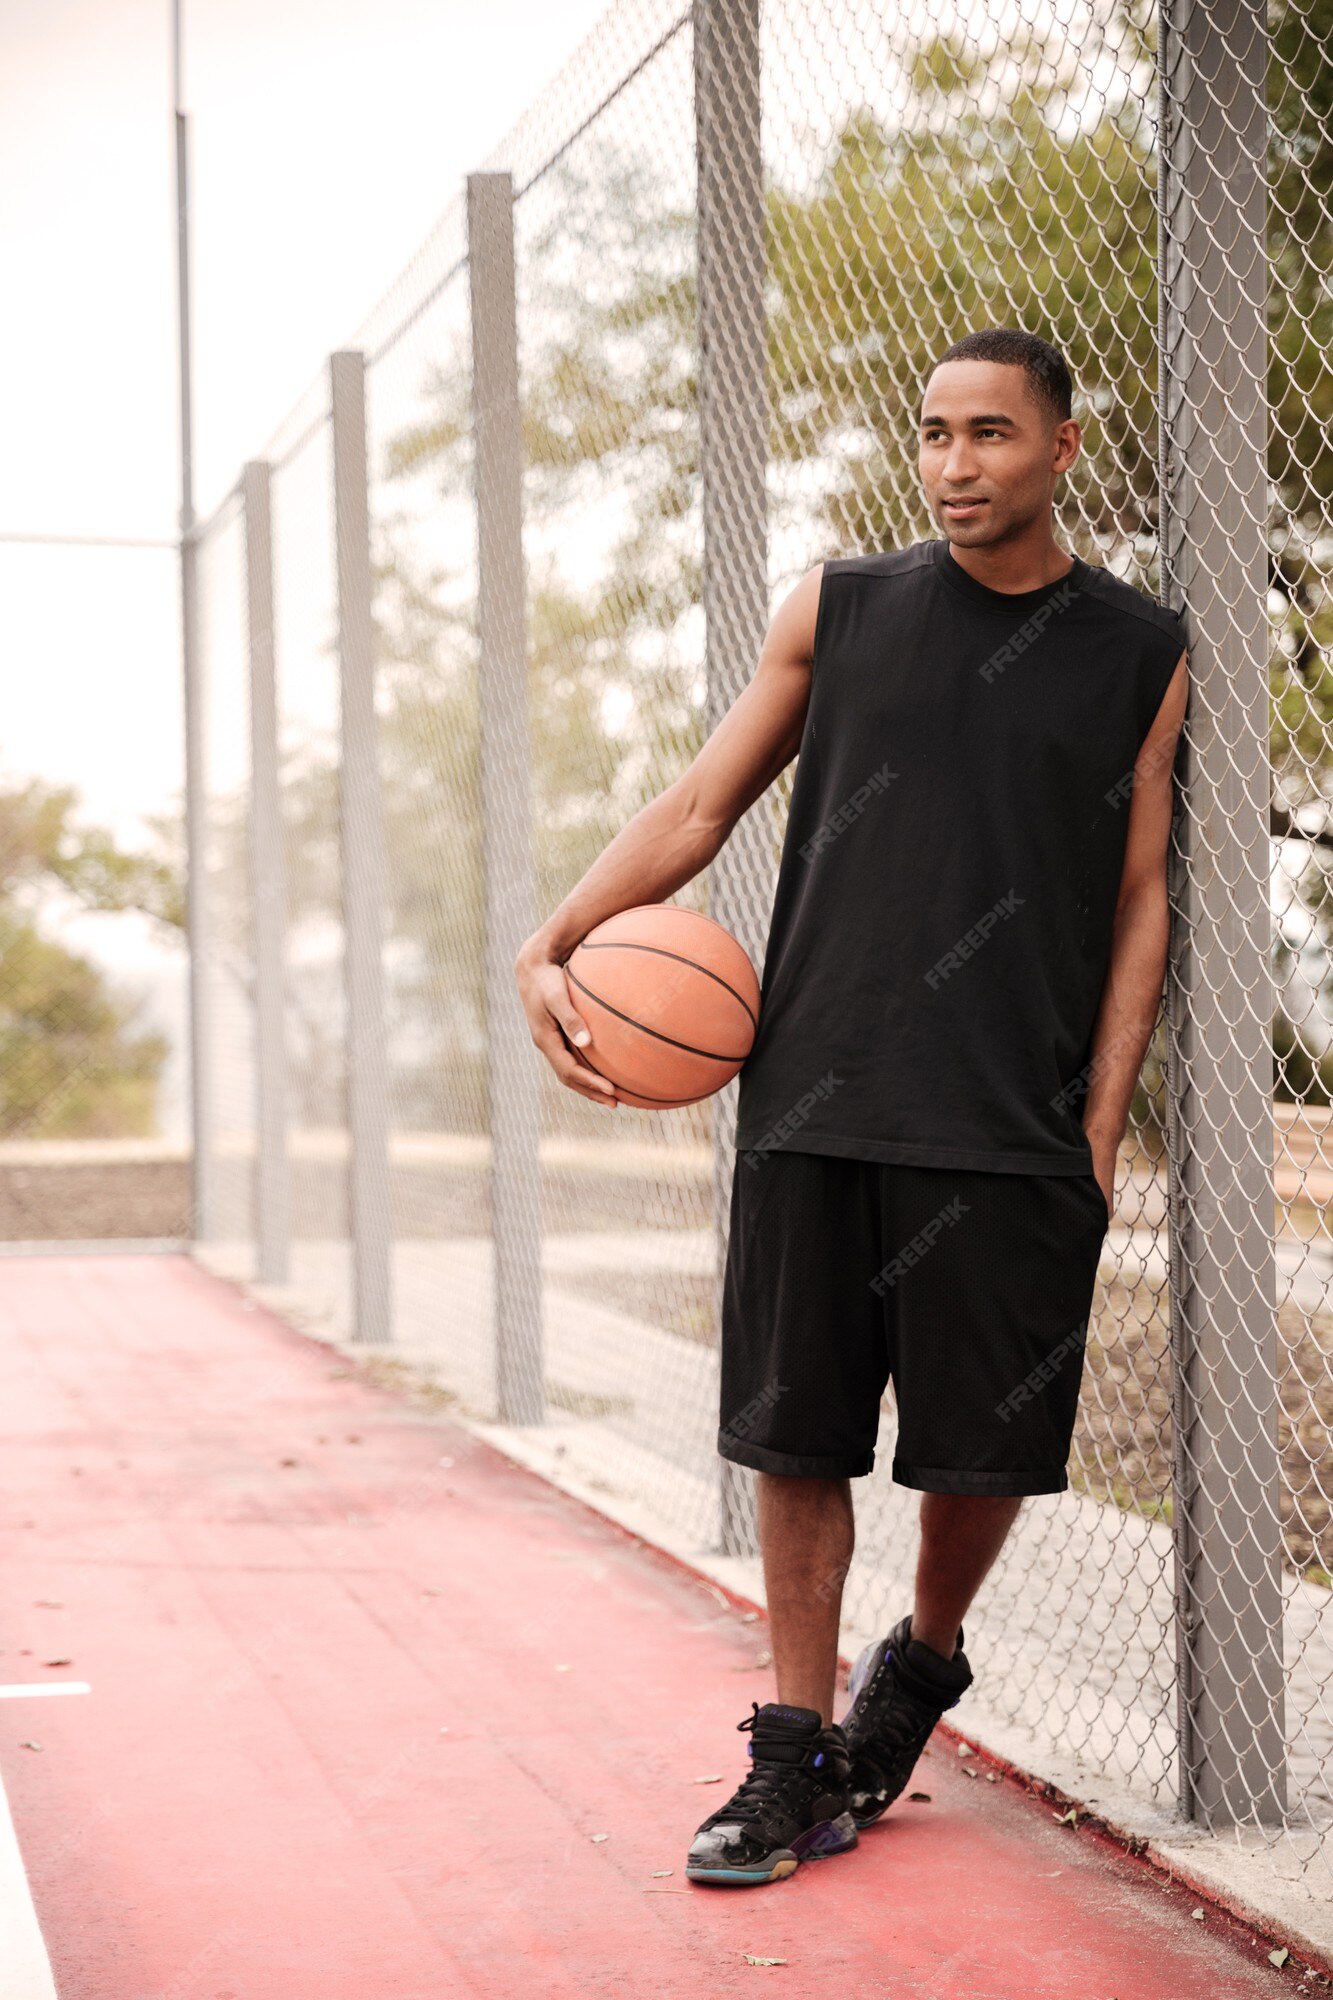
{"points": [[94, 1201]]}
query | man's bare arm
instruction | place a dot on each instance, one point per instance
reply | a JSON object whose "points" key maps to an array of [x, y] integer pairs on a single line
{"points": [[1133, 988], [677, 834]]}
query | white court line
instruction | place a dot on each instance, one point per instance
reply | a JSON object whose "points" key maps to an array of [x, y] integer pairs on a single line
{"points": [[47, 1687], [25, 1969]]}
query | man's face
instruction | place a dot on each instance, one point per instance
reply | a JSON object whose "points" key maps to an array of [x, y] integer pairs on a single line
{"points": [[986, 442]]}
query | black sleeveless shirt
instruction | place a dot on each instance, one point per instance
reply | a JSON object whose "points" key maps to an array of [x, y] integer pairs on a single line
{"points": [[941, 927]]}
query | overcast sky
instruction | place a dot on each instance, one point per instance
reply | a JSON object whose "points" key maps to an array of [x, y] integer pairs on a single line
{"points": [[327, 136]]}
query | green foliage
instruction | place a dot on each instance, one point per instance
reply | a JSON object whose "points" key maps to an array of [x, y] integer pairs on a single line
{"points": [[40, 843], [73, 1060]]}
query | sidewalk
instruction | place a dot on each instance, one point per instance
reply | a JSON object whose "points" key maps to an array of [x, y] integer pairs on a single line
{"points": [[363, 1693]]}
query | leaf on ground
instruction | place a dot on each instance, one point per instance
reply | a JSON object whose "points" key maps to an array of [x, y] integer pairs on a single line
{"points": [[750, 1959], [28, 1744], [713, 1778], [922, 1797], [57, 1663], [1280, 1956], [1066, 1819]]}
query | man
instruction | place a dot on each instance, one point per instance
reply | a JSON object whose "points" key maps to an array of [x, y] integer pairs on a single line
{"points": [[964, 965]]}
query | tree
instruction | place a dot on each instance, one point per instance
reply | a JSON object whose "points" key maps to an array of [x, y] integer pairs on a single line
{"points": [[73, 1059]]}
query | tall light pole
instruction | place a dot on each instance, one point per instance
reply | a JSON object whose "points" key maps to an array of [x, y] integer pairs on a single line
{"points": [[201, 1148]]}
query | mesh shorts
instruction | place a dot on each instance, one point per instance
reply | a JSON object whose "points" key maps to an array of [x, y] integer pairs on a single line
{"points": [[969, 1291]]}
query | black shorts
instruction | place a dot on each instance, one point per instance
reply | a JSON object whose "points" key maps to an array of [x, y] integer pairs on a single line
{"points": [[969, 1291]]}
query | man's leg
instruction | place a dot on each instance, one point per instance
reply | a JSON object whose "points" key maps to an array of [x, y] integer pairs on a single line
{"points": [[987, 1335], [901, 1685], [792, 1805], [803, 1366], [961, 1535], [807, 1533]]}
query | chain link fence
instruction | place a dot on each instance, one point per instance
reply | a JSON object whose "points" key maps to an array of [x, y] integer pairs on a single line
{"points": [[519, 548]]}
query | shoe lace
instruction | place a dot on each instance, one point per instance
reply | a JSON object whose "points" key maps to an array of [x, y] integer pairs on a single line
{"points": [[770, 1779], [894, 1720]]}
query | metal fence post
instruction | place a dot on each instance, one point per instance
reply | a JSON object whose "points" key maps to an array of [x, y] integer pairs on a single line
{"points": [[733, 450], [201, 1225], [506, 775], [1213, 288], [268, 889], [361, 841], [202, 1222]]}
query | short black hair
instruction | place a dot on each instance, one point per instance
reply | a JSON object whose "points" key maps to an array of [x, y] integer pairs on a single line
{"points": [[1048, 375]]}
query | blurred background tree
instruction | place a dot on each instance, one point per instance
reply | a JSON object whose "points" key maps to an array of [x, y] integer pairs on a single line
{"points": [[74, 1059]]}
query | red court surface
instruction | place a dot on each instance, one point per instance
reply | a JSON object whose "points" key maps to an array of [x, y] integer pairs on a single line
{"points": [[364, 1695]]}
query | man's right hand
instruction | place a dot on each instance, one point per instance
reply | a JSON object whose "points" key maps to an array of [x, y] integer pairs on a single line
{"points": [[676, 834], [556, 1023]]}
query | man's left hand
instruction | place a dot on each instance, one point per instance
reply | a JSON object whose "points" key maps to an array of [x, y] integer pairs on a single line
{"points": [[1104, 1165]]}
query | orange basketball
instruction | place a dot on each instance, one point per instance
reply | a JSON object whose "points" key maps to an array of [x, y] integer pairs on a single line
{"points": [[671, 1001]]}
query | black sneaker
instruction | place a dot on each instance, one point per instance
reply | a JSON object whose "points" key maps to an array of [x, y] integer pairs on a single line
{"points": [[900, 1688], [790, 1807]]}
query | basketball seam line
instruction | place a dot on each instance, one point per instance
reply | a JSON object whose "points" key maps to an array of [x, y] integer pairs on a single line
{"points": [[668, 1103], [709, 1055], [628, 944]]}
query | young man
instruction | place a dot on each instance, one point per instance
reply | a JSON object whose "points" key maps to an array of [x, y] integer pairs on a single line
{"points": [[964, 965]]}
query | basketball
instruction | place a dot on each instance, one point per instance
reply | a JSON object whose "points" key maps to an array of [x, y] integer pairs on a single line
{"points": [[671, 1001]]}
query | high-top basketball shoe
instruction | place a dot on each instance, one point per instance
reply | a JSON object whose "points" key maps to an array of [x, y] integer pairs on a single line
{"points": [[790, 1807], [900, 1688]]}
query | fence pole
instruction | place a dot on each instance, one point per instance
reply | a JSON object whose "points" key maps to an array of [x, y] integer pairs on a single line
{"points": [[361, 843], [506, 782], [1214, 498], [733, 448], [268, 889], [202, 1220]]}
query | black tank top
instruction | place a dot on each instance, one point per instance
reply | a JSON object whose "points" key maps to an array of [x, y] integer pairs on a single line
{"points": [[941, 927]]}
